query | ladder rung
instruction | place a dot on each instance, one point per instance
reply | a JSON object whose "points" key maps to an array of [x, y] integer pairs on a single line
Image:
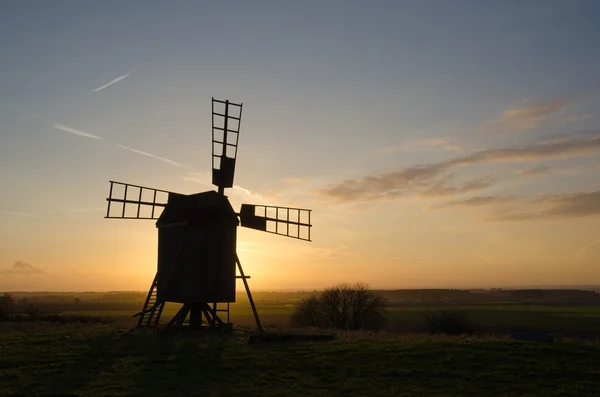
{"points": [[224, 102], [228, 144], [228, 130], [228, 116]]}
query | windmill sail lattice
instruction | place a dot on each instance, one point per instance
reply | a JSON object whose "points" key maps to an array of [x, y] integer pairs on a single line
{"points": [[226, 120], [285, 221], [127, 201]]}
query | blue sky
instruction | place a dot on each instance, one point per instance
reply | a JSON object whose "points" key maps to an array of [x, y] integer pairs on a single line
{"points": [[342, 100]]}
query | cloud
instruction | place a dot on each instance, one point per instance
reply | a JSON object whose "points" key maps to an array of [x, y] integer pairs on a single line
{"points": [[24, 268], [30, 115], [113, 81], [530, 117], [74, 131], [576, 118], [546, 206], [542, 169], [203, 178], [250, 193], [57, 125], [477, 201], [551, 206], [572, 204], [578, 145], [419, 178], [151, 155], [387, 185], [439, 189], [436, 143]]}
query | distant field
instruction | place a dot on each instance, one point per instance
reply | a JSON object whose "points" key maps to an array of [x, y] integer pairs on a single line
{"points": [[494, 318], [99, 361]]}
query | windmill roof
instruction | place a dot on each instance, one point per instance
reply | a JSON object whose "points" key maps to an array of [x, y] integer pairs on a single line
{"points": [[198, 208]]}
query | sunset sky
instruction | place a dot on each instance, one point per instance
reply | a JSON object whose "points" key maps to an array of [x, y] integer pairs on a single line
{"points": [[438, 143]]}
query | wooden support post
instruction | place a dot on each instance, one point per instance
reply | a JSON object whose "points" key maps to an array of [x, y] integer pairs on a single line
{"points": [[237, 260], [179, 318], [196, 316]]}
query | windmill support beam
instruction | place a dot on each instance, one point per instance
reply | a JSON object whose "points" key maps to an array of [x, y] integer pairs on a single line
{"points": [[179, 318], [243, 277]]}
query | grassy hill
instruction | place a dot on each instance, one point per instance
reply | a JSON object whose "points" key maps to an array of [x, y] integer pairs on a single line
{"points": [[100, 360]]}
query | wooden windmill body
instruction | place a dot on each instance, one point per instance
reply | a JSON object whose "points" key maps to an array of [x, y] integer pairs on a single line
{"points": [[197, 257]]}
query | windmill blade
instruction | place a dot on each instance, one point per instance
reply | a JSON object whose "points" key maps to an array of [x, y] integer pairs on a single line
{"points": [[127, 201], [226, 120], [285, 221]]}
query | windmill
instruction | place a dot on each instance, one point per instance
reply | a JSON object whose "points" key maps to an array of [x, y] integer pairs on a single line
{"points": [[197, 256]]}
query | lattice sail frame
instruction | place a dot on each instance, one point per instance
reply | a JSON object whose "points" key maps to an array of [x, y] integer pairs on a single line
{"points": [[284, 221], [135, 201], [225, 137]]}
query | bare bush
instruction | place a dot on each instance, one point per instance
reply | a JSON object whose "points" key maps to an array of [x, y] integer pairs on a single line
{"points": [[343, 307], [7, 307], [32, 311]]}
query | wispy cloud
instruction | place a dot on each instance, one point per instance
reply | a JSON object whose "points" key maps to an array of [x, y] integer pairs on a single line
{"points": [[435, 143], [531, 116], [440, 188], [30, 115], [419, 178], [201, 178], [74, 131], [533, 171], [72, 211], [552, 206], [545, 206], [151, 155], [576, 118], [23, 268], [250, 193], [113, 81], [477, 201]]}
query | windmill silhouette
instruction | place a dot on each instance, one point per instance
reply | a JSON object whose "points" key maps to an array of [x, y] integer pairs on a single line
{"points": [[197, 254]]}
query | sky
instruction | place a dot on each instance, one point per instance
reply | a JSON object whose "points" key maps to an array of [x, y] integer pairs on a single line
{"points": [[439, 144]]}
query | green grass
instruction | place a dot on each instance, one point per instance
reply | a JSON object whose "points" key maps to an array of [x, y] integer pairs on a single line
{"points": [[99, 361], [565, 320], [490, 318]]}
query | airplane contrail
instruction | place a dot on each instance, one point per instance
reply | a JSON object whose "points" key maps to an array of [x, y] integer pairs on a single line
{"points": [[113, 81], [74, 131], [151, 155], [17, 213]]}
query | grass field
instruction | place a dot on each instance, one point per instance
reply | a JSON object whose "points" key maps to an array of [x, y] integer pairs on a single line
{"points": [[70, 360], [565, 320]]}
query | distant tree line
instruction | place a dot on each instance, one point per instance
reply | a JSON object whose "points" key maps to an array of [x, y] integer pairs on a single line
{"points": [[26, 309]]}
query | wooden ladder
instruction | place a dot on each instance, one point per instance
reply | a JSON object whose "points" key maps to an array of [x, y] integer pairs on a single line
{"points": [[150, 314]]}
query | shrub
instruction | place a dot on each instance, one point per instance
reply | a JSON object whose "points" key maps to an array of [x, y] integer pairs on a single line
{"points": [[32, 311], [74, 319], [343, 307], [448, 322], [7, 307]]}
